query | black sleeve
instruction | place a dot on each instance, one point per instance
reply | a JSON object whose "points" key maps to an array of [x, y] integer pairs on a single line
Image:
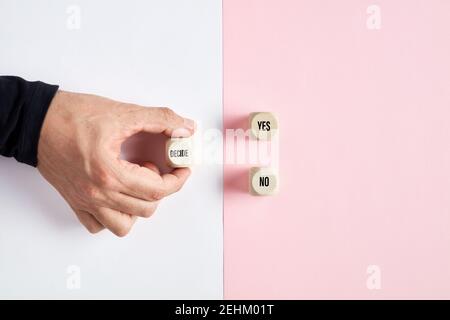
{"points": [[23, 106]]}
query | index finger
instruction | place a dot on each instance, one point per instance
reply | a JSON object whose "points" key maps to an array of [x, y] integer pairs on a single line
{"points": [[162, 120]]}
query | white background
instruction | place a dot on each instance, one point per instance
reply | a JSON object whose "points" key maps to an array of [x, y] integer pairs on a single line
{"points": [[158, 52]]}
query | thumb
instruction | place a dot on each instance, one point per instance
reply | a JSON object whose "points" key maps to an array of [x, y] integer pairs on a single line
{"points": [[151, 166]]}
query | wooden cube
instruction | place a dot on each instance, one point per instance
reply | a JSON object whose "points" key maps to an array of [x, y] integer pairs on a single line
{"points": [[263, 125], [179, 152], [263, 181]]}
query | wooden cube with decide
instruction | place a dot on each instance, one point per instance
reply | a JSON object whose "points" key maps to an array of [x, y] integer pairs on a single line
{"points": [[179, 152]]}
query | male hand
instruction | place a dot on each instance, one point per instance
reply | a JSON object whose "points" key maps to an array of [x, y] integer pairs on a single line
{"points": [[79, 151]]}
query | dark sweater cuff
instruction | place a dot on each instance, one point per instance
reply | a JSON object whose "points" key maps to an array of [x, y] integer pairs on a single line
{"points": [[35, 111]]}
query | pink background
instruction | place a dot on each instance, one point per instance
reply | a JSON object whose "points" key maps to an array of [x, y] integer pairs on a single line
{"points": [[365, 148]]}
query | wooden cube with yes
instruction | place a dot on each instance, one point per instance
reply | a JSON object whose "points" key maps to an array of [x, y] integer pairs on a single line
{"points": [[263, 181], [263, 125], [179, 152]]}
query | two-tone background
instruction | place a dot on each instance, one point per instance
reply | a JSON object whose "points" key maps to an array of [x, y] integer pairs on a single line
{"points": [[362, 92]]}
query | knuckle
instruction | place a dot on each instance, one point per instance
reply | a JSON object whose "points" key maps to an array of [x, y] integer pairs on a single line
{"points": [[147, 214], [167, 113], [157, 194], [149, 211], [91, 192], [104, 179], [94, 229], [123, 229]]}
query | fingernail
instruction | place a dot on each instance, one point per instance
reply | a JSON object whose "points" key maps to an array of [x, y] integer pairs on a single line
{"points": [[189, 124]]}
